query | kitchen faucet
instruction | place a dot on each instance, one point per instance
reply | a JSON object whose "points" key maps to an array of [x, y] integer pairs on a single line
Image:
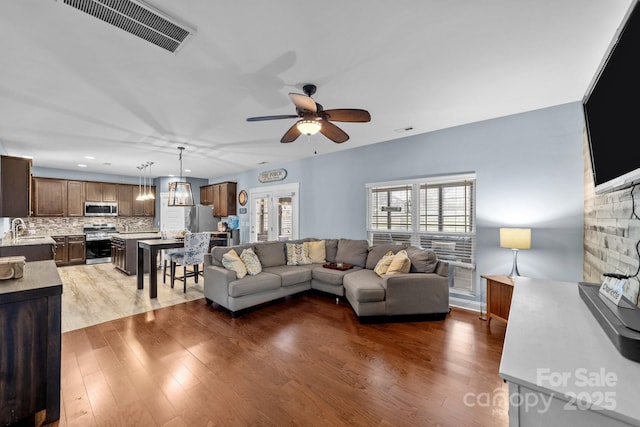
{"points": [[17, 224]]}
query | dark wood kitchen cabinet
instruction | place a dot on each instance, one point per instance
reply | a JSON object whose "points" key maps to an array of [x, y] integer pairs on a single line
{"points": [[49, 197], [15, 186], [75, 198], [70, 250], [206, 195], [224, 199], [30, 333], [145, 207], [101, 192], [125, 199]]}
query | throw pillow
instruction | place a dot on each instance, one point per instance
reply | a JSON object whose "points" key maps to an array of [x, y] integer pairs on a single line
{"points": [[383, 265], [251, 261], [231, 261], [296, 254], [400, 263], [316, 251]]}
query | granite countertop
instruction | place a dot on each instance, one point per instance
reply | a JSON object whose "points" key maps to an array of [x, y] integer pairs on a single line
{"points": [[27, 241], [137, 235]]}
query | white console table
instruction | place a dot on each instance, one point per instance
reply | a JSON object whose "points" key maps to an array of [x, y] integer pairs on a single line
{"points": [[561, 367]]}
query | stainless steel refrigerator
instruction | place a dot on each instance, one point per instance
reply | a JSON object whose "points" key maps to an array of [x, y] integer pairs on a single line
{"points": [[200, 218]]}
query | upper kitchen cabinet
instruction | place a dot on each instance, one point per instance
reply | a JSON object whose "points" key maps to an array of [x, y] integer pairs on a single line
{"points": [[100, 192], [145, 207], [49, 197], [206, 194], [75, 198], [125, 199], [224, 199], [15, 186]]}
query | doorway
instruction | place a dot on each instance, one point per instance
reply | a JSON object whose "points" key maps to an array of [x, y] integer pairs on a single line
{"points": [[274, 213]]}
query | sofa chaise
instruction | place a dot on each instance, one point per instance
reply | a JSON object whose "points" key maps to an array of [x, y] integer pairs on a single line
{"points": [[423, 291]]}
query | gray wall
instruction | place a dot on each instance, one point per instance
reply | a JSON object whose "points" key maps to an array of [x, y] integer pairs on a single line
{"points": [[529, 170]]}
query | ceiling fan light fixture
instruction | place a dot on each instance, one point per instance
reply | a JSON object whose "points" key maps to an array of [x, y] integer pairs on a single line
{"points": [[309, 127]]}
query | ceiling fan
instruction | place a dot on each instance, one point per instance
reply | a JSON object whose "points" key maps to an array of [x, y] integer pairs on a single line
{"points": [[314, 119]]}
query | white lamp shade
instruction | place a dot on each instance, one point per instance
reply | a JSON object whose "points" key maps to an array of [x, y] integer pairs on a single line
{"points": [[308, 127], [515, 238]]}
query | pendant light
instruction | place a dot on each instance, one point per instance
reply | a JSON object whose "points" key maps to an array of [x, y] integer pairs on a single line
{"points": [[180, 193], [149, 195], [140, 193]]}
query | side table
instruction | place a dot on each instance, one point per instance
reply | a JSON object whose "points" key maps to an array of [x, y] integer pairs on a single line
{"points": [[499, 292]]}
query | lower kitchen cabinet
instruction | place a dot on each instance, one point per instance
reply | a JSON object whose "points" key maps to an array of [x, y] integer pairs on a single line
{"points": [[70, 250]]}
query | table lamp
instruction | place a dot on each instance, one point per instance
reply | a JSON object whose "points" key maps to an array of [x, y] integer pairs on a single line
{"points": [[515, 239]]}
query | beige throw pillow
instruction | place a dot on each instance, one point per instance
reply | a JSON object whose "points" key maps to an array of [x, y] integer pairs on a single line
{"points": [[251, 261], [316, 251], [383, 265], [231, 261], [296, 254], [400, 263]]}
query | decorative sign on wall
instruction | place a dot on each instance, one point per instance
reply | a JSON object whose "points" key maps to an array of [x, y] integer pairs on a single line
{"points": [[272, 175]]}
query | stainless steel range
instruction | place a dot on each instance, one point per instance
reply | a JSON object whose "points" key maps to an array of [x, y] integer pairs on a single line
{"points": [[98, 238]]}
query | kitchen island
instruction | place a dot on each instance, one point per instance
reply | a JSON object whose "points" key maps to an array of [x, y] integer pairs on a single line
{"points": [[30, 333], [124, 250]]}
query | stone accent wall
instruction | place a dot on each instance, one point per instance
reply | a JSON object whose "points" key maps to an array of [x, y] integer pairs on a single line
{"points": [[610, 232], [52, 226]]}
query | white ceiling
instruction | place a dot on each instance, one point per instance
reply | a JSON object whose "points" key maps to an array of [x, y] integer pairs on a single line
{"points": [[73, 86]]}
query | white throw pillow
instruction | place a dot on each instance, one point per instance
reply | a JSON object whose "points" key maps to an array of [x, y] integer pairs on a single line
{"points": [[231, 261]]}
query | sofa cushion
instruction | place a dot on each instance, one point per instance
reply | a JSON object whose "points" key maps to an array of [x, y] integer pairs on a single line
{"points": [[317, 251], [400, 263], [251, 261], [352, 252], [249, 285], [378, 251], [271, 254], [297, 254], [383, 265], [218, 251], [331, 249], [330, 276], [365, 286], [231, 261], [290, 275], [422, 260]]}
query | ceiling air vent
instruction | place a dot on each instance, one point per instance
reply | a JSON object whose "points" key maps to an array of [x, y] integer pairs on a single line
{"points": [[138, 19]]}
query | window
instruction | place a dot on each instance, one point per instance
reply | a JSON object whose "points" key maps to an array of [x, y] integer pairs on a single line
{"points": [[435, 213]]}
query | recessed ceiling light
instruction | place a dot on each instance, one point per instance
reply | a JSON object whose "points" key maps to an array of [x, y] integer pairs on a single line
{"points": [[187, 170], [171, 175], [80, 165], [89, 157]]}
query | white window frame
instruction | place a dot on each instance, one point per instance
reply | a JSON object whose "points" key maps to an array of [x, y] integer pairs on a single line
{"points": [[456, 248]]}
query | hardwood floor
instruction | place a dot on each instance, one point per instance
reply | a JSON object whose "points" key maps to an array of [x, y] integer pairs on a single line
{"points": [[302, 361]]}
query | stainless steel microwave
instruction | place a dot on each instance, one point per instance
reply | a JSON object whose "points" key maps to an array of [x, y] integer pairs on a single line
{"points": [[100, 209]]}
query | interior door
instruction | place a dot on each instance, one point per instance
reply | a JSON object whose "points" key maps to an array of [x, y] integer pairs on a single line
{"points": [[274, 213]]}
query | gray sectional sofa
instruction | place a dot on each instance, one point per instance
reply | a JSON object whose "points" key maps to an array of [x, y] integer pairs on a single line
{"points": [[424, 291]]}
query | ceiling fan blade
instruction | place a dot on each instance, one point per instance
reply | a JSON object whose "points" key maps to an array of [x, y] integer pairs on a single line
{"points": [[292, 134], [333, 132], [303, 102], [348, 115], [263, 118]]}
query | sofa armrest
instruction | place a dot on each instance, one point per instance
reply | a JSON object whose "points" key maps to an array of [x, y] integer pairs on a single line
{"points": [[207, 259], [413, 293], [442, 268], [216, 284]]}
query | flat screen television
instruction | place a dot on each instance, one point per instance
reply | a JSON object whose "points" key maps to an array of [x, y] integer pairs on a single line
{"points": [[612, 110]]}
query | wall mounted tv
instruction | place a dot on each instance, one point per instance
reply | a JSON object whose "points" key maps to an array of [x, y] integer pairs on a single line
{"points": [[612, 110]]}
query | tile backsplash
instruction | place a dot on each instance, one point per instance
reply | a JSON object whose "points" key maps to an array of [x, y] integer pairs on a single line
{"points": [[52, 226]]}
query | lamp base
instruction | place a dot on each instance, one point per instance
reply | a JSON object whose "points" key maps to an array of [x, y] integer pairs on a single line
{"points": [[514, 270]]}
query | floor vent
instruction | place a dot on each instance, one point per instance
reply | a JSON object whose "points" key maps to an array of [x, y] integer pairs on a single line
{"points": [[138, 19]]}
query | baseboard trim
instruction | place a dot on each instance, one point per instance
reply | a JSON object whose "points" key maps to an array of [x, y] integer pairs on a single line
{"points": [[465, 304]]}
